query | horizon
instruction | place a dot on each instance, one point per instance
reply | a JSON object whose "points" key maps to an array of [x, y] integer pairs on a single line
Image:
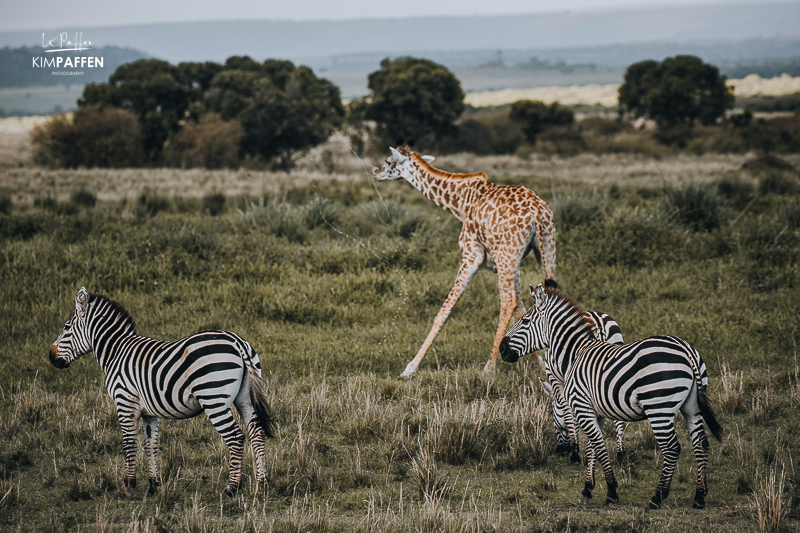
{"points": [[55, 18]]}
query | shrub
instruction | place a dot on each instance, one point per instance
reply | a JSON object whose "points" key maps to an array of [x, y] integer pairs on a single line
{"points": [[696, 206], [780, 183], [210, 143], [214, 204], [577, 210], [6, 204], [534, 116], [93, 137], [486, 133]]}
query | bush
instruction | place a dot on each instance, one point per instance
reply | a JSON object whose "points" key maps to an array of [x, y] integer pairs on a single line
{"points": [[93, 137], [696, 206], [534, 116], [210, 143], [486, 133]]}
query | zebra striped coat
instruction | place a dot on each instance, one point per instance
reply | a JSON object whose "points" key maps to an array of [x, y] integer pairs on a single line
{"points": [[649, 379], [607, 330], [149, 379]]}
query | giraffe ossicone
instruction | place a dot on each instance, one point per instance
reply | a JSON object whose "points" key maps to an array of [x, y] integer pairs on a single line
{"points": [[501, 224]]}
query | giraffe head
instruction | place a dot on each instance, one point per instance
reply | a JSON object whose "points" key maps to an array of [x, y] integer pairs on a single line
{"points": [[397, 165]]}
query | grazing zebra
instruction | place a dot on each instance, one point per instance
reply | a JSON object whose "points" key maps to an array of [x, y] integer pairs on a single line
{"points": [[606, 330], [652, 378], [151, 379]]}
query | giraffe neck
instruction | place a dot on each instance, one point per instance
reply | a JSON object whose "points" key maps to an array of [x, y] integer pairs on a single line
{"points": [[454, 193]]}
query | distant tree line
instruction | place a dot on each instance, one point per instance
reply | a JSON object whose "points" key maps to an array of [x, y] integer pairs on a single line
{"points": [[266, 113]]}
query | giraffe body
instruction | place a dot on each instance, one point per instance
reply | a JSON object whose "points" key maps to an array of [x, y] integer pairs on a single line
{"points": [[500, 225]]}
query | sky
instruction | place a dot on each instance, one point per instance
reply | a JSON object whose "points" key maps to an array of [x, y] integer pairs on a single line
{"points": [[38, 15]]}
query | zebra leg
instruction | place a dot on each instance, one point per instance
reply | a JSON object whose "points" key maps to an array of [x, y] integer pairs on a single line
{"points": [[222, 419], [129, 422], [150, 428], [664, 432], [592, 426], [572, 428], [620, 426], [257, 439], [694, 423]]}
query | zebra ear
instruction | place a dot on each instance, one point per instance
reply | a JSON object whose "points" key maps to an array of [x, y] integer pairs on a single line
{"points": [[548, 389], [539, 297], [82, 302]]}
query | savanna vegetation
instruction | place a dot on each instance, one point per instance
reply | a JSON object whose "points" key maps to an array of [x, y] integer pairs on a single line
{"points": [[334, 280], [268, 115]]}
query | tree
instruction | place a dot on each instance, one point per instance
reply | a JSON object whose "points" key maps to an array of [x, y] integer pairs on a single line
{"points": [[414, 98], [535, 116], [150, 89], [282, 108], [677, 91]]}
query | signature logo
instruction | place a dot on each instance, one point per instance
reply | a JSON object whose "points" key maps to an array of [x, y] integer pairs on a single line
{"points": [[63, 43]]}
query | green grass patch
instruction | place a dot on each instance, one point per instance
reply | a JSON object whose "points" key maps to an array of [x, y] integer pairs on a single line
{"points": [[336, 289]]}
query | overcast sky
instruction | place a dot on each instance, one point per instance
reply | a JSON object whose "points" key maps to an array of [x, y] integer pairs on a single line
{"points": [[39, 15]]}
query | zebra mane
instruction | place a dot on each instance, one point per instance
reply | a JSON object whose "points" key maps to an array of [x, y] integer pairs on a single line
{"points": [[115, 308], [565, 302]]}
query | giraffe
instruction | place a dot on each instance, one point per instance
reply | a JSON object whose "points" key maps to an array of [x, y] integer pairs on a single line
{"points": [[500, 225]]}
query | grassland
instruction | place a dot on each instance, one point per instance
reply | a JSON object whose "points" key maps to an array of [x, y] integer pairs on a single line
{"points": [[335, 283]]}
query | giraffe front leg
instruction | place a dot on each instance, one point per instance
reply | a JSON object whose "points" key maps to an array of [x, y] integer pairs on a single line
{"points": [[509, 304], [469, 266], [150, 427]]}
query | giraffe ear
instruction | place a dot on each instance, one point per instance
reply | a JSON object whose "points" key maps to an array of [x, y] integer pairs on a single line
{"points": [[548, 389], [429, 158], [397, 156], [82, 302]]}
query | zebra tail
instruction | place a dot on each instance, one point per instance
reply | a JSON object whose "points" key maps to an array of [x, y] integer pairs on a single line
{"points": [[258, 397], [707, 411]]}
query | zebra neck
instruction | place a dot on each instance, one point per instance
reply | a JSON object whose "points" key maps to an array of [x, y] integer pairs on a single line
{"points": [[107, 344], [567, 334]]}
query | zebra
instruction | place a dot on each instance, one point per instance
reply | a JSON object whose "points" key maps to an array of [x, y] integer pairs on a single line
{"points": [[653, 378], [149, 379], [606, 330]]}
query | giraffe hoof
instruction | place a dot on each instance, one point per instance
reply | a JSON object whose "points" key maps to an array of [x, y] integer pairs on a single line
{"points": [[488, 368], [410, 369]]}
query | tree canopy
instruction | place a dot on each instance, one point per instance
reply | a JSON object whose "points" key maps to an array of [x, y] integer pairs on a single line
{"points": [[534, 116], [680, 89], [413, 98], [281, 108]]}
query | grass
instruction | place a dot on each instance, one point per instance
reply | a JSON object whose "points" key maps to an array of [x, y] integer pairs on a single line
{"points": [[336, 287]]}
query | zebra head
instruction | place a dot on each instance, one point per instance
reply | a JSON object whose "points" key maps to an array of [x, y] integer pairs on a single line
{"points": [[559, 420], [74, 339], [530, 333]]}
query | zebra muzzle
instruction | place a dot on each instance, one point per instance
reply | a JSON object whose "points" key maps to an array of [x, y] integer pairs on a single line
{"points": [[55, 360], [508, 354]]}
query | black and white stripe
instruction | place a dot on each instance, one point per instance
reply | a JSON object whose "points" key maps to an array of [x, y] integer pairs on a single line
{"points": [[649, 379], [149, 379], [607, 330]]}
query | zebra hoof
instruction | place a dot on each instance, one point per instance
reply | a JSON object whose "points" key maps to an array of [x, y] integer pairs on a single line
{"points": [[611, 499], [152, 487], [230, 492], [129, 482], [620, 456], [699, 504], [653, 506], [575, 459], [586, 493]]}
